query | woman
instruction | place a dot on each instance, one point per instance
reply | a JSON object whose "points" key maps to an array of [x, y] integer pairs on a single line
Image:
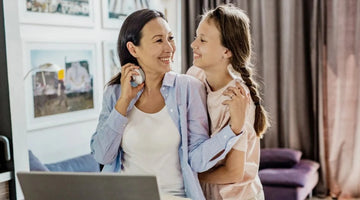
{"points": [[222, 51], [160, 126]]}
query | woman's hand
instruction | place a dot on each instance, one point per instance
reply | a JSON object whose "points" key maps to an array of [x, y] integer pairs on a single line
{"points": [[238, 104], [127, 91]]}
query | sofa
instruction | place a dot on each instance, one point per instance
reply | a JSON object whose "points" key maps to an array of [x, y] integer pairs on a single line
{"points": [[84, 163], [285, 176]]}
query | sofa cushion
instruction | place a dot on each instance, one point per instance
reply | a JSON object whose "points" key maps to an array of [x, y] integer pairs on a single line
{"points": [[279, 158], [35, 164], [85, 163], [298, 176]]}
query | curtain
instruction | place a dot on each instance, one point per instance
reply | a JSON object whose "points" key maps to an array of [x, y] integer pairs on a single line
{"points": [[341, 93], [317, 52]]}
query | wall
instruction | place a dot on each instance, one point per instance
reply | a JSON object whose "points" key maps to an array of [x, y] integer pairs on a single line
{"points": [[65, 141]]}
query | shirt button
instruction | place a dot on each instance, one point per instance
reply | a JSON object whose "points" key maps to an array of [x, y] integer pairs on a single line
{"points": [[171, 110], [225, 136], [163, 88]]}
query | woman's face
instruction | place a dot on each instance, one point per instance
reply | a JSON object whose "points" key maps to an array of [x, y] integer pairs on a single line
{"points": [[157, 46], [207, 48]]}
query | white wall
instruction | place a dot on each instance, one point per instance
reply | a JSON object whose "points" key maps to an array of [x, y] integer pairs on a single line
{"points": [[68, 140]]}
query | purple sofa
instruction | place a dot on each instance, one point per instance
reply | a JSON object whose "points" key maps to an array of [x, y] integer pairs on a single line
{"points": [[285, 176]]}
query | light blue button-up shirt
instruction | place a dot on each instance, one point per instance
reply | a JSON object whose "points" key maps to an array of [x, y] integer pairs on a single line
{"points": [[185, 99]]}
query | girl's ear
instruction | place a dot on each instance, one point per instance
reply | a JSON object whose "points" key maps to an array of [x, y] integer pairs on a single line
{"points": [[131, 48], [227, 53]]}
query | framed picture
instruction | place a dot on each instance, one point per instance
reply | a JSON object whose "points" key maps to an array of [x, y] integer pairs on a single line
{"points": [[111, 61], [57, 12], [61, 83], [115, 11]]}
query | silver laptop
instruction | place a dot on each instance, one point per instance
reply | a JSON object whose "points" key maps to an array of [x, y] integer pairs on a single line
{"points": [[87, 186]]}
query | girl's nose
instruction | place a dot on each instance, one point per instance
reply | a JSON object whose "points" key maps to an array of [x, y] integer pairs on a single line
{"points": [[193, 44]]}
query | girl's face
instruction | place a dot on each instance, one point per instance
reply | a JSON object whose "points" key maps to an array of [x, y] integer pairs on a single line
{"points": [[207, 48], [157, 46]]}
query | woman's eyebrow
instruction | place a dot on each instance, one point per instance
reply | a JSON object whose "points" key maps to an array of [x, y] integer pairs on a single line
{"points": [[159, 35]]}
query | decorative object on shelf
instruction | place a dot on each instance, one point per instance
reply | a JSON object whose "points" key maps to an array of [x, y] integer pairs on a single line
{"points": [[60, 83], [57, 12]]}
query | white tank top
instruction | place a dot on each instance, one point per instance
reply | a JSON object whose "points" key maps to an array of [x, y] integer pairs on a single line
{"points": [[150, 144]]}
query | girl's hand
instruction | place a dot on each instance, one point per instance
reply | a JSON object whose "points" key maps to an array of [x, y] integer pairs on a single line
{"points": [[127, 91], [238, 104]]}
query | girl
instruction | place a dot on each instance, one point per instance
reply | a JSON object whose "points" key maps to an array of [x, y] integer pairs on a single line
{"points": [[222, 51]]}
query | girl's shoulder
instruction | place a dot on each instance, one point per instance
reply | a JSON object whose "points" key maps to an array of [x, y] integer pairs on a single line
{"points": [[196, 72], [188, 80], [242, 83]]}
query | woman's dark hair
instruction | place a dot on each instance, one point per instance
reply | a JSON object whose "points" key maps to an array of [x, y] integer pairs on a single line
{"points": [[234, 27], [131, 32]]}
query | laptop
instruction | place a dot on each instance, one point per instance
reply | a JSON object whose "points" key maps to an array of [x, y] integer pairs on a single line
{"points": [[87, 186]]}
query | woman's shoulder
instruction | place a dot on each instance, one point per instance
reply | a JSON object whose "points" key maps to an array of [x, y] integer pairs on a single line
{"points": [[111, 90], [112, 87]]}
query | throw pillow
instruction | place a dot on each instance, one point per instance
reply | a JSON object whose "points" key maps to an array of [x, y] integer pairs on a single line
{"points": [[279, 158]]}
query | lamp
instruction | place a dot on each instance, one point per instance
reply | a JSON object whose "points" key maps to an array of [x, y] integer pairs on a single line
{"points": [[47, 67]]}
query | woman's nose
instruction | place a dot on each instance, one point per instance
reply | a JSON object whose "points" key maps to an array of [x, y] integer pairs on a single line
{"points": [[169, 47]]}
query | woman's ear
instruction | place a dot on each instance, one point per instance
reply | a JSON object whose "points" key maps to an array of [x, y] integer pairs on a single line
{"points": [[227, 53], [131, 48]]}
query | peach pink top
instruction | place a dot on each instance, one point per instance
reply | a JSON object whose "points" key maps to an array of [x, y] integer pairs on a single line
{"points": [[250, 186]]}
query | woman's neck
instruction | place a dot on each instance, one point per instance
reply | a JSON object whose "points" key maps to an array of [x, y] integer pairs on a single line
{"points": [[151, 100], [153, 82], [217, 77]]}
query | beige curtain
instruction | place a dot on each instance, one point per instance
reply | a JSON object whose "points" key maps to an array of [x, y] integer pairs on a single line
{"points": [[341, 91]]}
